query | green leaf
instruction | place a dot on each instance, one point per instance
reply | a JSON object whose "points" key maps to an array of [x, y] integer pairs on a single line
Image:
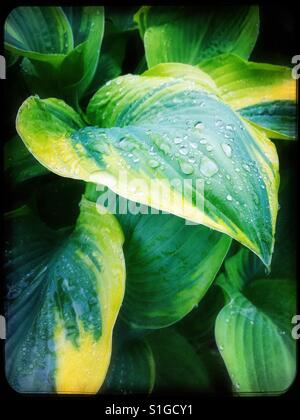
{"points": [[198, 326], [253, 331], [107, 69], [63, 46], [165, 278], [11, 59], [178, 366], [263, 93], [40, 33], [132, 369], [192, 154], [121, 18], [284, 261], [278, 119], [192, 34], [65, 288], [19, 164], [88, 27]]}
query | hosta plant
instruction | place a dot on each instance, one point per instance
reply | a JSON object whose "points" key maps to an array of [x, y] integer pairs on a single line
{"points": [[185, 280]]}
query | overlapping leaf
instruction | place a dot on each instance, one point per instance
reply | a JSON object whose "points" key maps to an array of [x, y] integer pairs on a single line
{"points": [[253, 330], [65, 289], [132, 369], [160, 132], [61, 47], [263, 93], [19, 164], [169, 265], [178, 367], [190, 35]]}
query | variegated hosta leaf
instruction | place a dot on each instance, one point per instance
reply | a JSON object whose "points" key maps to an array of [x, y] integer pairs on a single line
{"points": [[65, 289], [132, 369], [253, 331], [168, 143], [265, 94], [191, 34], [169, 265]]}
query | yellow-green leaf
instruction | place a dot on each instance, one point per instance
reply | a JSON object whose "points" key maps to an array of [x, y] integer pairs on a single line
{"points": [[65, 289], [165, 137]]}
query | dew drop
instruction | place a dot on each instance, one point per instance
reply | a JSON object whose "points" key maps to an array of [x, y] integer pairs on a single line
{"points": [[186, 168], [229, 197], [230, 127], [208, 167], [153, 163], [246, 167], [226, 149], [199, 125], [177, 140], [165, 148], [183, 150]]}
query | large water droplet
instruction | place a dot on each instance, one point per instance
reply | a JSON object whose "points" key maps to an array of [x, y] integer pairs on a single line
{"points": [[230, 127], [199, 125], [208, 167], [186, 168], [165, 148], [226, 149], [153, 163], [183, 150], [125, 144]]}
